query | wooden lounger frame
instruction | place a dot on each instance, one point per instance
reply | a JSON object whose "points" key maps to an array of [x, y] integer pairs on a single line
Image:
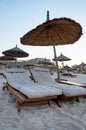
{"points": [[22, 100], [69, 98], [66, 98], [71, 83]]}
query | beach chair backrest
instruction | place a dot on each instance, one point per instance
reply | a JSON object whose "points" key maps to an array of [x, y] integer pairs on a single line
{"points": [[42, 75], [17, 77]]}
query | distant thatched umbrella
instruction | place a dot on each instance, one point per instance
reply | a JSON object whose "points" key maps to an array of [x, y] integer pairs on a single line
{"points": [[62, 58], [15, 52], [82, 64], [59, 31], [7, 58]]}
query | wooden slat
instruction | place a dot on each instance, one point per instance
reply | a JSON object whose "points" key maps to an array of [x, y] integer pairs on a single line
{"points": [[72, 83]]}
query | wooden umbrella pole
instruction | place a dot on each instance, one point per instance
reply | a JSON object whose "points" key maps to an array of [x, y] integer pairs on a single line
{"points": [[57, 68]]}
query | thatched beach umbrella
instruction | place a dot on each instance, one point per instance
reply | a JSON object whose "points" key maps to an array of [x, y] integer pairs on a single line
{"points": [[7, 58], [82, 64], [15, 52], [62, 58], [59, 31]]}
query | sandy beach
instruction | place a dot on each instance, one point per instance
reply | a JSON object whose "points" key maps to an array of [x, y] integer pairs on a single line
{"points": [[34, 34], [70, 116]]}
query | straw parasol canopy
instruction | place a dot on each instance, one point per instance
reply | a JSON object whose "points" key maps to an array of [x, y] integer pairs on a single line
{"points": [[58, 31], [82, 64], [7, 58], [62, 58], [15, 52]]}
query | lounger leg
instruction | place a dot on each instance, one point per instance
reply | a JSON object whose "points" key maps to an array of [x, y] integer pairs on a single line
{"points": [[58, 102], [4, 87], [49, 102], [77, 99], [18, 106]]}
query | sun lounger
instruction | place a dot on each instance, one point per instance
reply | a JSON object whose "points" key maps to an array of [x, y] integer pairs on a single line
{"points": [[42, 75], [27, 92]]}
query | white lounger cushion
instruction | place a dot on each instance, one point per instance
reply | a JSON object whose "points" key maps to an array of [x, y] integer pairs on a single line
{"points": [[41, 75], [23, 83], [37, 91], [69, 90]]}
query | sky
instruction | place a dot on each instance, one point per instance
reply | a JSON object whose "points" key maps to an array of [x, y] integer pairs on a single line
{"points": [[17, 17]]}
